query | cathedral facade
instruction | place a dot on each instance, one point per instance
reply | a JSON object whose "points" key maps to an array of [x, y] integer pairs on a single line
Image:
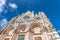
{"points": [[29, 27]]}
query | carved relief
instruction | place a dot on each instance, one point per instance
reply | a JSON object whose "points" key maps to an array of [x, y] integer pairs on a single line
{"points": [[20, 27], [36, 27], [36, 30]]}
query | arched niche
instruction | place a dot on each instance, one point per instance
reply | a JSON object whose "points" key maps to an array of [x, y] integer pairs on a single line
{"points": [[20, 27], [36, 30], [36, 27]]}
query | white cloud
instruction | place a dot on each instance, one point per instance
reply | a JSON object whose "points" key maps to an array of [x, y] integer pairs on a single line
{"points": [[13, 5], [3, 22], [2, 3]]}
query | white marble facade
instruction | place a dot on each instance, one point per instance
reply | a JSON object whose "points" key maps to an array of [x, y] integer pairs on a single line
{"points": [[29, 27]]}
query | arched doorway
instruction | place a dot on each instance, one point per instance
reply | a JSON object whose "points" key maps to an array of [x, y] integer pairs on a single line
{"points": [[37, 38], [7, 38]]}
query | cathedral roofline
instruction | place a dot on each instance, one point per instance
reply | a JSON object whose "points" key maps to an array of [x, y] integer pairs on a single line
{"points": [[28, 13]]}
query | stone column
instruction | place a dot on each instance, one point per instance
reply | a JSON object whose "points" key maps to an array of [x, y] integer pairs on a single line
{"points": [[14, 37], [2, 37], [45, 36], [31, 36]]}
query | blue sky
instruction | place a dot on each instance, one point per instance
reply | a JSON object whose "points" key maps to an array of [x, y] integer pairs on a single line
{"points": [[12, 8]]}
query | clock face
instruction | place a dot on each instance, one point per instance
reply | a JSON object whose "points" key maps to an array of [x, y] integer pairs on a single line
{"points": [[26, 17]]}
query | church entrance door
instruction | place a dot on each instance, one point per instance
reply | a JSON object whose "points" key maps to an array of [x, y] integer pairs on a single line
{"points": [[7, 38], [37, 38]]}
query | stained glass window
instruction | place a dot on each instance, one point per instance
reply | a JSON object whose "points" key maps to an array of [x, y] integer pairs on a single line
{"points": [[26, 17], [21, 37]]}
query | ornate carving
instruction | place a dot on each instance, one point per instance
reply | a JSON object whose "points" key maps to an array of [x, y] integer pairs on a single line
{"points": [[34, 25], [20, 27]]}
